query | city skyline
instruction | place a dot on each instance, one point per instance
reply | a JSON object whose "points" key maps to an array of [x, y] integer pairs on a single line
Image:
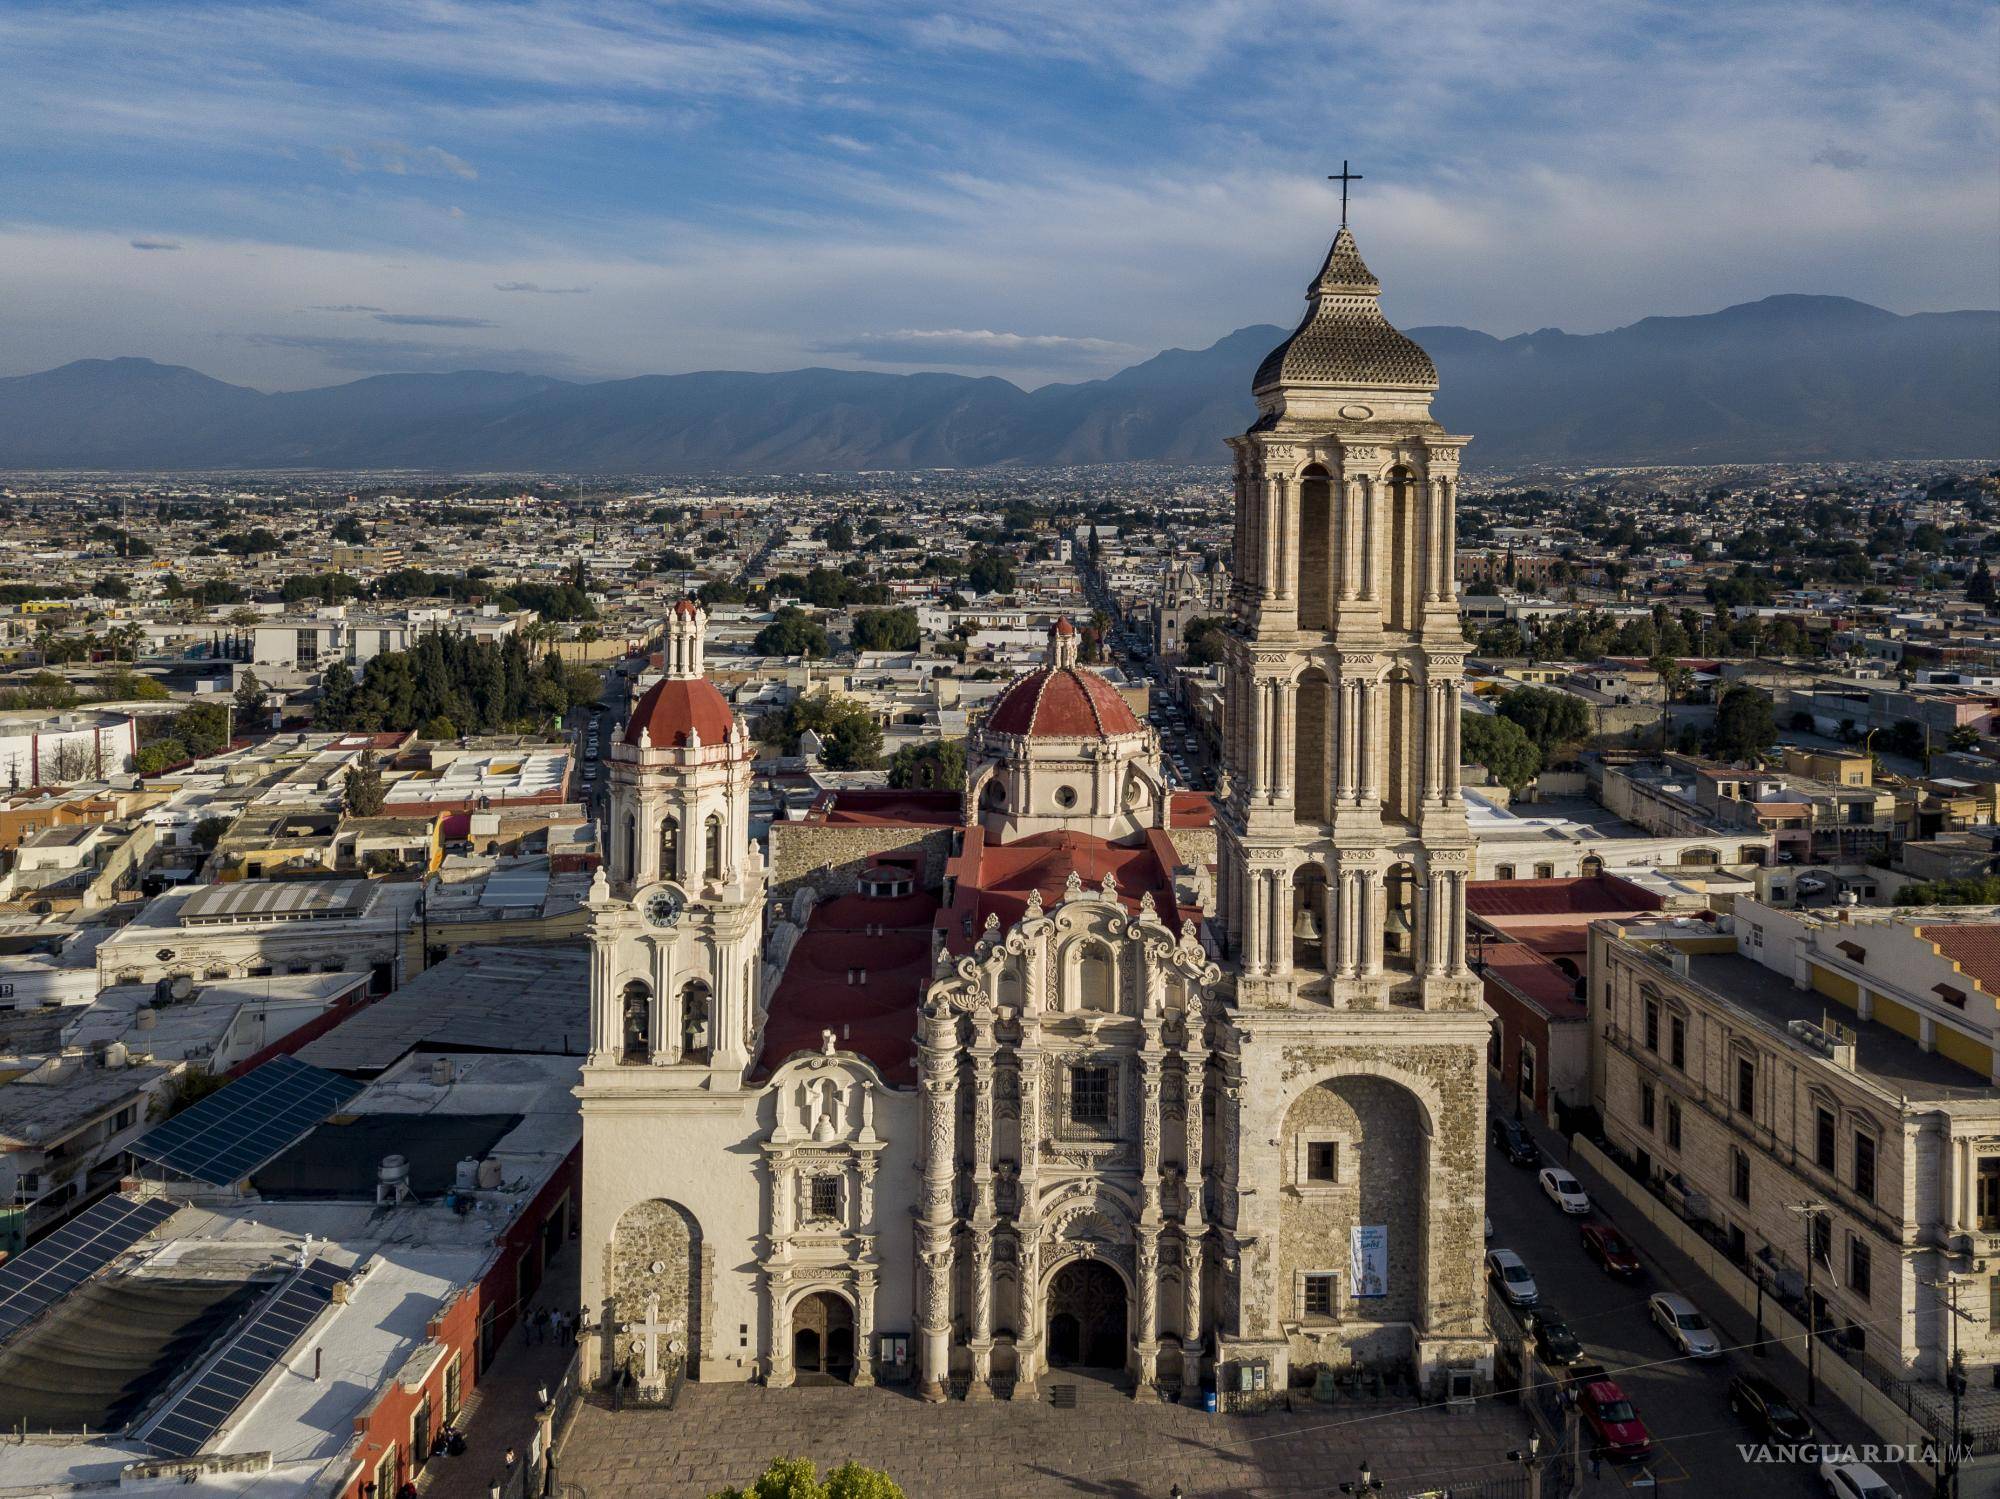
{"points": [[610, 190]]}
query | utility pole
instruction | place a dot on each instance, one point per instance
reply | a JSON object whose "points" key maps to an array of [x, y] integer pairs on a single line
{"points": [[1946, 1469], [1809, 1213]]}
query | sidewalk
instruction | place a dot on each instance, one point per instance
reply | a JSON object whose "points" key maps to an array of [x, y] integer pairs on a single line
{"points": [[502, 1408]]}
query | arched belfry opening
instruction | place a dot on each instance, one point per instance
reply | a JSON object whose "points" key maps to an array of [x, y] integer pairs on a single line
{"points": [[1315, 549]]}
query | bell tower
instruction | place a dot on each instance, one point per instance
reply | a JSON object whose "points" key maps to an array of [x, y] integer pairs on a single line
{"points": [[1344, 845], [677, 911]]}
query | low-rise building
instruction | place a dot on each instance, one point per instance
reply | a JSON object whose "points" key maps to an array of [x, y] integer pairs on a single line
{"points": [[1819, 1088]]}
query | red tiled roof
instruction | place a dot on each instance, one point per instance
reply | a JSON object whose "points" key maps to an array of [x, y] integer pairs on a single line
{"points": [[673, 706], [1586, 896], [887, 940], [1973, 945], [1062, 702], [1534, 978], [870, 807], [1191, 809], [997, 878]]}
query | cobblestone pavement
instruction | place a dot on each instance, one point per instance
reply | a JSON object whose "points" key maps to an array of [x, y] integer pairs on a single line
{"points": [[1107, 1445]]}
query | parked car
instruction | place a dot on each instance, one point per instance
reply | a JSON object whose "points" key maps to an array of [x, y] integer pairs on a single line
{"points": [[1767, 1409], [1614, 1256], [1564, 1190], [1555, 1344], [1686, 1328], [1514, 1142], [1615, 1428], [1810, 884], [1510, 1277], [1853, 1481]]}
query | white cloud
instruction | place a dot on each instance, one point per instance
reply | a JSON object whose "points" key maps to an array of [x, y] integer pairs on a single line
{"points": [[947, 347], [155, 244]]}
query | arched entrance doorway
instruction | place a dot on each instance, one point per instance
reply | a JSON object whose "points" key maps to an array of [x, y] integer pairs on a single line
{"points": [[822, 1339], [1087, 1317]]}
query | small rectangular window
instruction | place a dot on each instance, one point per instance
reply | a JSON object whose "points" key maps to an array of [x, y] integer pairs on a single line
{"points": [[1864, 1165], [1746, 1086], [1673, 1124], [1652, 1026], [1986, 1196], [826, 1197], [1646, 1105], [1090, 1095], [1739, 1176], [1319, 1296], [1860, 1267], [1677, 1039], [1322, 1161], [1823, 1139]]}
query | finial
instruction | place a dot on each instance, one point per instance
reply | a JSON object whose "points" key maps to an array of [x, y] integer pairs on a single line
{"points": [[1343, 179]]}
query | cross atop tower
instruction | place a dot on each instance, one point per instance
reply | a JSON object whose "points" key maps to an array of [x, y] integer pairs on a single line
{"points": [[1343, 179]]}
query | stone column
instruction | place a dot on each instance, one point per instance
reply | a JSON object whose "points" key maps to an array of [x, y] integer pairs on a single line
{"points": [[1368, 742], [1146, 1387], [1283, 507], [1193, 1211], [1288, 737], [1456, 920], [864, 1332], [1191, 1308], [1347, 775], [981, 1386], [1374, 911], [778, 1372], [1279, 936], [982, 1114], [1028, 1213], [936, 1221], [1371, 582]]}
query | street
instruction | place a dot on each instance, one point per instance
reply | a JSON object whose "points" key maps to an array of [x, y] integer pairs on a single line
{"points": [[1683, 1402]]}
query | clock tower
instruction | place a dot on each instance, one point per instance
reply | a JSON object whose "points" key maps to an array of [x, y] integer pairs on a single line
{"points": [[676, 923]]}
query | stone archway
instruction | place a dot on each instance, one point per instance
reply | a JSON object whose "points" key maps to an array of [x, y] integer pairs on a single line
{"points": [[656, 1295], [822, 1339], [1087, 1317]]}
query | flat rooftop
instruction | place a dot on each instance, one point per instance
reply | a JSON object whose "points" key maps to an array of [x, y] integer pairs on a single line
{"points": [[248, 901], [1881, 1055]]}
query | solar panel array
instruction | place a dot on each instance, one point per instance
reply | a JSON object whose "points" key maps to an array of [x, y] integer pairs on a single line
{"points": [[194, 1415], [232, 1132], [45, 1272]]}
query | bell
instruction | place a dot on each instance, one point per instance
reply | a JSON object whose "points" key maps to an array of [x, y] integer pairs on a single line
{"points": [[1305, 925], [1397, 929]]}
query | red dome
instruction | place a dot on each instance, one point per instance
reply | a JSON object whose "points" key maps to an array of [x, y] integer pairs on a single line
{"points": [[672, 706], [1062, 702]]}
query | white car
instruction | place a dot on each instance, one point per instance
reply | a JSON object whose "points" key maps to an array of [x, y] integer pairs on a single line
{"points": [[1854, 1481], [1564, 1190], [1510, 1277], [1685, 1327], [1810, 884]]}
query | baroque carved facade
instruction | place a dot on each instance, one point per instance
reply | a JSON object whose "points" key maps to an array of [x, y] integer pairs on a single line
{"points": [[1076, 1099]]}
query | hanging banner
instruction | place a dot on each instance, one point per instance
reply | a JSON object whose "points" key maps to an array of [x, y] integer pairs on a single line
{"points": [[1368, 1260]]}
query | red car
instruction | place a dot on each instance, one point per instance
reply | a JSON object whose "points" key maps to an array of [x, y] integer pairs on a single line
{"points": [[1602, 1243], [1615, 1428]]}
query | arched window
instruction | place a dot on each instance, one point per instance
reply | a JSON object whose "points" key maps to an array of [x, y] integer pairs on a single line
{"points": [[631, 846], [670, 847], [1400, 597], [697, 1023], [1399, 930], [1096, 978], [637, 1008], [713, 844], [1312, 765], [1315, 553]]}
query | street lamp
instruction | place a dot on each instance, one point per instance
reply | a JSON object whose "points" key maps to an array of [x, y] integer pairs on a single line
{"points": [[1363, 1483]]}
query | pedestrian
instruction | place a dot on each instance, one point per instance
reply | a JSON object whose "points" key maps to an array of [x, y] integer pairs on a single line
{"points": [[493, 1489], [549, 1478], [510, 1460]]}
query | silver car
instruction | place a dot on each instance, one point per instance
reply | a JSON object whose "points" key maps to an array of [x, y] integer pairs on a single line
{"points": [[1510, 1277], [1685, 1327]]}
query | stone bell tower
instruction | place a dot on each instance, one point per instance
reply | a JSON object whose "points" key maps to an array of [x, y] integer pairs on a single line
{"points": [[1355, 1042], [677, 928]]}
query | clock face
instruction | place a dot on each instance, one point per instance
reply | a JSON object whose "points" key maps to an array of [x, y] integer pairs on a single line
{"points": [[664, 907]]}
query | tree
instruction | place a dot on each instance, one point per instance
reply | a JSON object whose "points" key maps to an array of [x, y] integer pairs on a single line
{"points": [[336, 696], [1979, 587], [203, 728], [937, 765], [792, 632], [1551, 719], [990, 572], [110, 587], [348, 529], [1744, 727], [796, 1478], [251, 698], [886, 630], [208, 832], [1202, 639], [363, 788], [1962, 738], [852, 738], [438, 728], [1502, 746], [160, 755]]}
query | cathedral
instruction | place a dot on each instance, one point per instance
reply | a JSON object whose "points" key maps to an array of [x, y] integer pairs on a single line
{"points": [[1071, 1070]]}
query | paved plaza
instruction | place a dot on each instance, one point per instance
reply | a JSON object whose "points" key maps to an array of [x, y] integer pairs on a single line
{"points": [[1106, 1445]]}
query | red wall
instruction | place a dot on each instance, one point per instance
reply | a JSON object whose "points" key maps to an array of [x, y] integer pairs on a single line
{"points": [[456, 1325], [294, 1041]]}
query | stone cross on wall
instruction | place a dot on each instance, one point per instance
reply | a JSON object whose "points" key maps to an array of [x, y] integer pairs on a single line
{"points": [[651, 1329]]}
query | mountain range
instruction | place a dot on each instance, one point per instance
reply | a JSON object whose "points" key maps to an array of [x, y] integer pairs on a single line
{"points": [[1785, 379]]}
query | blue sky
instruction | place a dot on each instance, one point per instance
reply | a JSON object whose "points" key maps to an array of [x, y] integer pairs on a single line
{"points": [[291, 195]]}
